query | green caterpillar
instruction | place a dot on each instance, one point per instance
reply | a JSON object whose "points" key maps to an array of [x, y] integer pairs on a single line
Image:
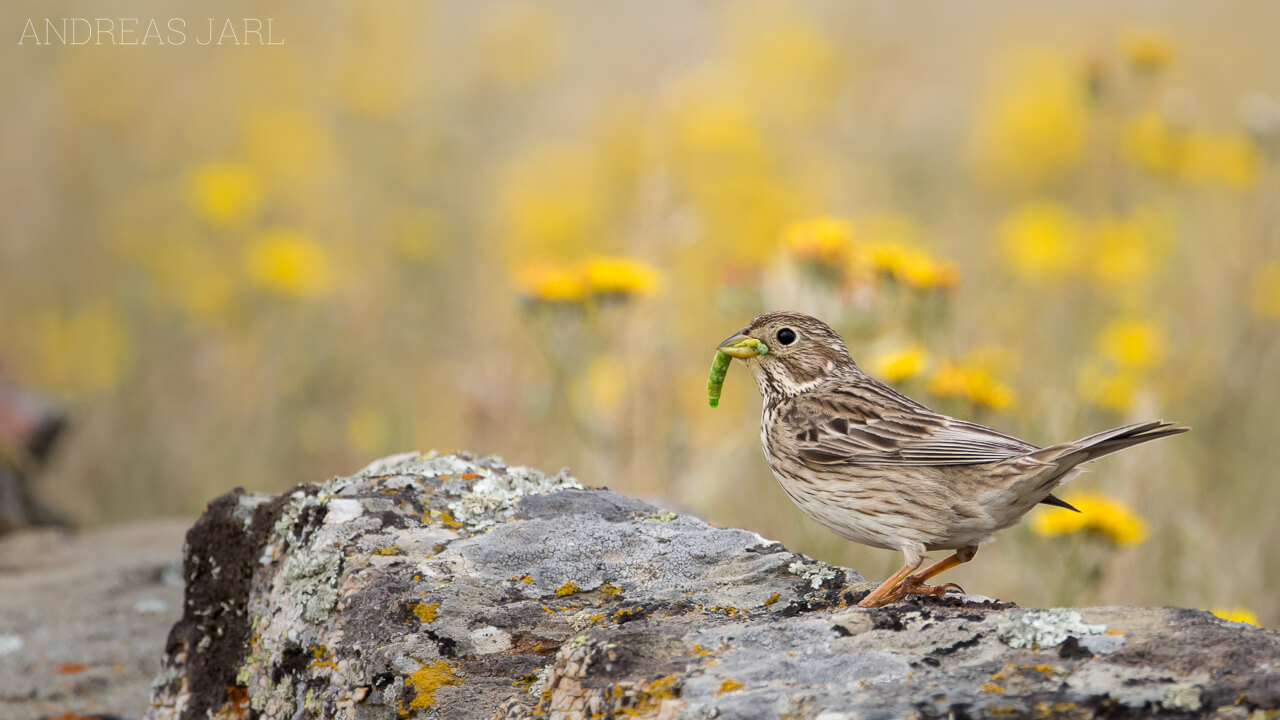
{"points": [[743, 347], [715, 383]]}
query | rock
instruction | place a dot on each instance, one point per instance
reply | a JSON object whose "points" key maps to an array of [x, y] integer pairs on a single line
{"points": [[453, 587], [82, 616]]}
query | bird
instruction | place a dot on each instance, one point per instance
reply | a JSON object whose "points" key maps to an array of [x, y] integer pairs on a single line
{"points": [[878, 468]]}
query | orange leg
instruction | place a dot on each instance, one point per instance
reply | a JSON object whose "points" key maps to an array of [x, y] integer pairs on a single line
{"points": [[914, 584], [877, 596]]}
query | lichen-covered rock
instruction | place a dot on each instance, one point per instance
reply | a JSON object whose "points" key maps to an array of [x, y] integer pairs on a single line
{"points": [[453, 587]]}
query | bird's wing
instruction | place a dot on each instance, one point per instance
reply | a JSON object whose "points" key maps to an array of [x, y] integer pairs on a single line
{"points": [[843, 429]]}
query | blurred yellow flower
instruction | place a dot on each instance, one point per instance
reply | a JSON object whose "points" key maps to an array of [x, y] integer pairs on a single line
{"points": [[1108, 518], [1266, 291], [548, 282], [1128, 250], [1236, 614], [551, 201], [920, 270], [367, 431], [223, 193], [1148, 49], [192, 276], [791, 66], [518, 44], [1133, 343], [88, 350], [823, 240], [605, 385], [970, 382], [1041, 241], [1228, 159], [618, 276], [289, 262], [900, 364], [1108, 387], [1034, 124], [1151, 141], [292, 149]]}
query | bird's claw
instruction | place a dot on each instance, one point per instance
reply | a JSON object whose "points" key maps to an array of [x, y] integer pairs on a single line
{"points": [[910, 587]]}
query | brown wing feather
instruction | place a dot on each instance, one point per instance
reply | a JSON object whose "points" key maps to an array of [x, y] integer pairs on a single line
{"points": [[846, 428]]}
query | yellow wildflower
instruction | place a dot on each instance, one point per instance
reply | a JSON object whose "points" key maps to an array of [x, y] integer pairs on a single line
{"points": [[1228, 159], [790, 63], [292, 149], [1108, 387], [551, 199], [1133, 343], [289, 262], [518, 44], [972, 383], [602, 389], [1266, 291], [912, 267], [548, 282], [367, 431], [1129, 249], [901, 364], [223, 193], [1147, 49], [1151, 141], [86, 351], [1108, 518], [1236, 614], [823, 240], [1041, 241], [1034, 125], [619, 276]]}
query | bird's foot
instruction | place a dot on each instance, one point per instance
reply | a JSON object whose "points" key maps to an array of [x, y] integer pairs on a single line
{"points": [[911, 587]]}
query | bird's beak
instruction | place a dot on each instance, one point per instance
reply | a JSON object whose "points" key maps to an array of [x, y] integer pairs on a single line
{"points": [[743, 346]]}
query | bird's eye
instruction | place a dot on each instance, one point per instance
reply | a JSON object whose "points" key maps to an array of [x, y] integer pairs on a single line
{"points": [[786, 336]]}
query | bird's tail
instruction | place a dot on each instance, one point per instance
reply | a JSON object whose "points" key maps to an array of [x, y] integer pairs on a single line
{"points": [[1106, 442]]}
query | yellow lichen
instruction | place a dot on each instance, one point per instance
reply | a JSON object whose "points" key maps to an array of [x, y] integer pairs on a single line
{"points": [[991, 688], [728, 686], [392, 550], [567, 589], [426, 612], [444, 517], [425, 682], [318, 652], [610, 590], [772, 599]]}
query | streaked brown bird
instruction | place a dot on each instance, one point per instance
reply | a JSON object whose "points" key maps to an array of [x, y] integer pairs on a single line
{"points": [[879, 468]]}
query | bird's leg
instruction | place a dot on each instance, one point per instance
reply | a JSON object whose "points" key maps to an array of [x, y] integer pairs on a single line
{"points": [[877, 596], [914, 584]]}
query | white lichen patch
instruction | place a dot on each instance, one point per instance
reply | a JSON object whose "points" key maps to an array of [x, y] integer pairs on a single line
{"points": [[10, 644], [1184, 698], [491, 499], [1037, 629], [816, 574], [343, 510], [387, 465], [488, 640]]}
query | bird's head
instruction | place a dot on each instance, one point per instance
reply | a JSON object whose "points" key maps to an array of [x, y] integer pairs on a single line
{"points": [[789, 353]]}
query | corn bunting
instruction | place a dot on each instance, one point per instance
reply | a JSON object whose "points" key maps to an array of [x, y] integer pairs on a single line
{"points": [[879, 468]]}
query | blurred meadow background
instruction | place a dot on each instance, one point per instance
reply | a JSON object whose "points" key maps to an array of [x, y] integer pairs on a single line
{"points": [[521, 228]]}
